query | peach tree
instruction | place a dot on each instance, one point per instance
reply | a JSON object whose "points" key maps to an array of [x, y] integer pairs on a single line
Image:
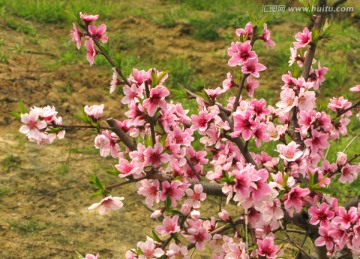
{"points": [[178, 158]]}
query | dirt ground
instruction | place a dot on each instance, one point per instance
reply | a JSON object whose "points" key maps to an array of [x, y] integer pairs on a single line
{"points": [[44, 191]]}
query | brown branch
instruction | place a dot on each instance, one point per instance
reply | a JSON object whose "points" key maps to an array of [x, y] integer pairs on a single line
{"points": [[121, 134], [104, 53], [236, 103], [354, 106], [243, 150]]}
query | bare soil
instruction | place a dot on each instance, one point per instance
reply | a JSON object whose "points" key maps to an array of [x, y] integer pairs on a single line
{"points": [[44, 191]]}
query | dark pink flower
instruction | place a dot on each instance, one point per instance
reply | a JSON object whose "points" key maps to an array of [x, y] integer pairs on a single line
{"points": [[156, 99], [345, 218], [76, 36], [91, 52], [228, 82], [170, 225], [317, 141], [248, 31], [149, 249], [98, 33], [201, 121], [266, 37], [252, 67], [295, 199], [302, 39], [325, 238], [320, 215], [174, 190], [244, 125], [240, 53], [150, 189], [267, 248], [154, 156], [89, 18]]}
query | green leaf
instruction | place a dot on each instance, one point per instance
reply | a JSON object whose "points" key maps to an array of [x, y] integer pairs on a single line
{"points": [[98, 193], [155, 236], [176, 212], [113, 172], [168, 203], [322, 190], [22, 107], [81, 117], [178, 94], [15, 114], [79, 256], [204, 96]]}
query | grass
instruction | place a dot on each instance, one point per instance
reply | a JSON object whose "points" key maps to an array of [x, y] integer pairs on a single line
{"points": [[11, 162], [26, 227]]}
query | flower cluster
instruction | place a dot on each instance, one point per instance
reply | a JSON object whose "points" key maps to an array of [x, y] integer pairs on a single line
{"points": [[41, 125], [179, 157]]}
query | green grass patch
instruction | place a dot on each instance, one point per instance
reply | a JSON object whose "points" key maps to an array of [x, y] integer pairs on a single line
{"points": [[11, 162], [26, 227]]}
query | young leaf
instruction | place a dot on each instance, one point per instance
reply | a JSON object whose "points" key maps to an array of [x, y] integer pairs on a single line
{"points": [[16, 115], [22, 107]]}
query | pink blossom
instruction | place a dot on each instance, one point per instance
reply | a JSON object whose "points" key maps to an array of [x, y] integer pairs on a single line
{"points": [[132, 94], [289, 152], [338, 104], [115, 82], [149, 189], [89, 18], [32, 123], [248, 31], [325, 238], [213, 93], [126, 169], [176, 252], [355, 88], [198, 234], [154, 157], [260, 134], [106, 142], [345, 218], [317, 141], [196, 195], [323, 214], [108, 204], [244, 125], [76, 36], [174, 190], [341, 159], [302, 39], [91, 52], [240, 53], [156, 99], [170, 225], [228, 83], [91, 256], [267, 248], [252, 67], [94, 111], [98, 33], [349, 173], [201, 121], [288, 100], [266, 37], [251, 85], [306, 100], [149, 250], [295, 199], [224, 215], [320, 75]]}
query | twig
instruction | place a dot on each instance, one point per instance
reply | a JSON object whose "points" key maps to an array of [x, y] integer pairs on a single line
{"points": [[348, 145], [293, 243], [121, 134]]}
